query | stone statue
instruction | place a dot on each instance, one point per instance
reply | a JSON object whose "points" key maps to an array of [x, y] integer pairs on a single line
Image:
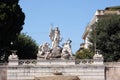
{"points": [[43, 51], [55, 51], [13, 56], [66, 51], [55, 37], [98, 56]]}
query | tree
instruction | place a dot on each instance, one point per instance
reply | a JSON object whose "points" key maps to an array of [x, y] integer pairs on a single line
{"points": [[106, 35], [26, 47], [11, 22], [84, 54]]}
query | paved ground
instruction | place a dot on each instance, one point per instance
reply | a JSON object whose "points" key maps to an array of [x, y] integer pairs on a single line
{"points": [[58, 78]]}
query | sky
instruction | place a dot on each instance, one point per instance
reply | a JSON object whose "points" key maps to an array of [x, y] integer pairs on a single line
{"points": [[71, 16]]}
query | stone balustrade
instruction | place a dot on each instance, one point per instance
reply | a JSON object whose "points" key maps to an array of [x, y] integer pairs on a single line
{"points": [[56, 62], [27, 62], [89, 61], [106, 12]]}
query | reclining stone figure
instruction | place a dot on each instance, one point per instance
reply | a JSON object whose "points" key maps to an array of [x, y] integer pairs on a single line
{"points": [[66, 51]]}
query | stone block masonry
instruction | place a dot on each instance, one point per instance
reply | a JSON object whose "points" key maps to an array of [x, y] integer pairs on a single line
{"points": [[3, 72], [31, 69], [112, 71]]}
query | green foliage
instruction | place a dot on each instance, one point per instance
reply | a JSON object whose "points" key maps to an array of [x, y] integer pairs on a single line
{"points": [[84, 54], [11, 21], [26, 46], [106, 34]]}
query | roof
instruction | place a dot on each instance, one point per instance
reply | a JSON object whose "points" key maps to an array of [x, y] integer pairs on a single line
{"points": [[113, 8]]}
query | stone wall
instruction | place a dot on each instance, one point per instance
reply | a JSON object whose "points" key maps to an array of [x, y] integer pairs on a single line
{"points": [[31, 69], [3, 72], [26, 70], [112, 71]]}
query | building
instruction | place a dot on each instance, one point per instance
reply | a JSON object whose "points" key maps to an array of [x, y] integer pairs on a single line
{"points": [[98, 14]]}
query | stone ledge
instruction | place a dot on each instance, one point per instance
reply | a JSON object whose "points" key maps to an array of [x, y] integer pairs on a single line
{"points": [[58, 78]]}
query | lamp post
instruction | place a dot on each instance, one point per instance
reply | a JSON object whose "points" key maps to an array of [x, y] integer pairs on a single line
{"points": [[11, 44]]}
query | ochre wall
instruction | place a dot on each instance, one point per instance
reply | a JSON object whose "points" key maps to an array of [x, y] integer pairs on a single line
{"points": [[112, 71]]}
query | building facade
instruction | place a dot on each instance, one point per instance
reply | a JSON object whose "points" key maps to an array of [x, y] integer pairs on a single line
{"points": [[98, 14]]}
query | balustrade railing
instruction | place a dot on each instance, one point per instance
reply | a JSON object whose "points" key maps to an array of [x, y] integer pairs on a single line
{"points": [[27, 62], [76, 61], [84, 61]]}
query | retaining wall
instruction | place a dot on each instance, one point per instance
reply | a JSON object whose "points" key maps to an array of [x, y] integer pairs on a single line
{"points": [[30, 69]]}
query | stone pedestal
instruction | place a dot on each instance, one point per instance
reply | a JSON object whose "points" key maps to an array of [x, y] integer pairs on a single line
{"points": [[13, 63]]}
